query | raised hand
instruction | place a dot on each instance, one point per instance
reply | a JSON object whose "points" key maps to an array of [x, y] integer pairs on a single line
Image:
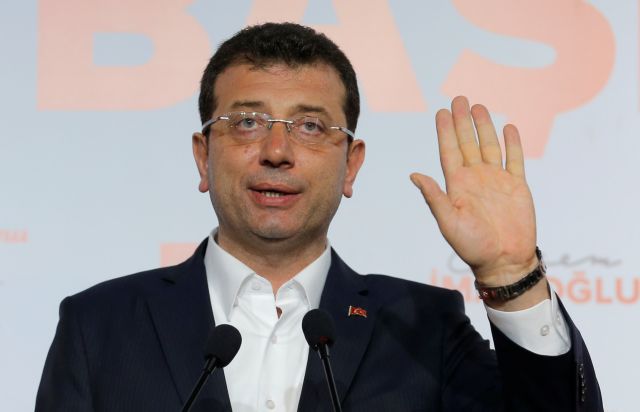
{"points": [[486, 213]]}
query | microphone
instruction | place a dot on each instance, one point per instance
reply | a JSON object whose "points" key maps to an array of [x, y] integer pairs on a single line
{"points": [[222, 345], [319, 331]]}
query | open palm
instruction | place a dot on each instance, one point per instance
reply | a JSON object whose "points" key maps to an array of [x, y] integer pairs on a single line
{"points": [[486, 213]]}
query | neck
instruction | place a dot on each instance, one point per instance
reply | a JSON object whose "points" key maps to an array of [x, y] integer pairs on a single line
{"points": [[276, 260]]}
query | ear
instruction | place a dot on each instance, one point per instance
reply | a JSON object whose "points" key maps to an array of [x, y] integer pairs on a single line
{"points": [[355, 158], [200, 154]]}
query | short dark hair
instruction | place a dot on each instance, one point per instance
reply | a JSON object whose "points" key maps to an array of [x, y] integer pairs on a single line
{"points": [[272, 43]]}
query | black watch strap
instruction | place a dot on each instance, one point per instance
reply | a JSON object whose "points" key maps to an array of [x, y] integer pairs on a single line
{"points": [[508, 292]]}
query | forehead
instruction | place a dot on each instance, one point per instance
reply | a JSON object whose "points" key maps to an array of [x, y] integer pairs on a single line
{"points": [[280, 89]]}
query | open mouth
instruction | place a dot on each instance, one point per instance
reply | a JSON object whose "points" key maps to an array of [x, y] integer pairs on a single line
{"points": [[273, 190], [269, 194], [272, 193]]}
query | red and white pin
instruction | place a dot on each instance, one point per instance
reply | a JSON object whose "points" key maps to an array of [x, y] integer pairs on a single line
{"points": [[357, 311]]}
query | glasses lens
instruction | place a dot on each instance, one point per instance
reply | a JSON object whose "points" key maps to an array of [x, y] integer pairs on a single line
{"points": [[253, 126], [310, 130], [246, 125]]}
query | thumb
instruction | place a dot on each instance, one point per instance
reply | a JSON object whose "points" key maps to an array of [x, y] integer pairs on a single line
{"points": [[436, 199]]}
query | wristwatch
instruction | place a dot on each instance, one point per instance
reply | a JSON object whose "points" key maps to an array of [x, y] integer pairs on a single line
{"points": [[508, 292]]}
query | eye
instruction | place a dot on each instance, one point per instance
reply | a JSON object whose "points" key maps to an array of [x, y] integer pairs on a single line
{"points": [[245, 123], [311, 126]]}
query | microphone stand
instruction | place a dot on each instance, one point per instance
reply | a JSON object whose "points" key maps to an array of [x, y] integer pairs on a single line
{"points": [[323, 351], [209, 367]]}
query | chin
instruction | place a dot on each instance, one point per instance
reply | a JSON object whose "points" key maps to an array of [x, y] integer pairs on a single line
{"points": [[275, 232]]}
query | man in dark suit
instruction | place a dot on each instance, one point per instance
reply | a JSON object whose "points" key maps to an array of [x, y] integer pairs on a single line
{"points": [[279, 104]]}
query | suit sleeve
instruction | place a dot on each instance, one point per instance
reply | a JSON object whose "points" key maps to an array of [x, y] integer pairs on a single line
{"points": [[512, 378], [64, 385], [540, 383], [471, 380]]}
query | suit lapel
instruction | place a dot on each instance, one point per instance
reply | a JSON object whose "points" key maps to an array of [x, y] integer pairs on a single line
{"points": [[343, 288], [181, 313]]}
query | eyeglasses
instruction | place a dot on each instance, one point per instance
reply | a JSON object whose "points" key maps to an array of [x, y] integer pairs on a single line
{"points": [[253, 126]]}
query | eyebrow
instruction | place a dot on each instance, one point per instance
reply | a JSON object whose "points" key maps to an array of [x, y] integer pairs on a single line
{"points": [[251, 104], [259, 105], [312, 109]]}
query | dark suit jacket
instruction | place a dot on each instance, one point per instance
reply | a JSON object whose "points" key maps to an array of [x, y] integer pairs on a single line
{"points": [[135, 344]]}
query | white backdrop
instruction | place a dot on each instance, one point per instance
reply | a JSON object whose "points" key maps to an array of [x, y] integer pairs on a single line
{"points": [[98, 103]]}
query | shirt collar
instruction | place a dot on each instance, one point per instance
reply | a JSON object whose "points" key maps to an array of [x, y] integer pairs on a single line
{"points": [[313, 277], [226, 275]]}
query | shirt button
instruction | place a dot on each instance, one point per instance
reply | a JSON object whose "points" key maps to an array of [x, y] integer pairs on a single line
{"points": [[544, 331], [256, 286], [274, 339], [270, 404]]}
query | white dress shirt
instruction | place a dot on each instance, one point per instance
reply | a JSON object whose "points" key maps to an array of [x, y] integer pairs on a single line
{"points": [[268, 371], [540, 329]]}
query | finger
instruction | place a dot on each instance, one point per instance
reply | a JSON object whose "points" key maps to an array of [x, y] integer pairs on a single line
{"points": [[487, 137], [465, 131], [450, 155], [436, 199], [513, 147]]}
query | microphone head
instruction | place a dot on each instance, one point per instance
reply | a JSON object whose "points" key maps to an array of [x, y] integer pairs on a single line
{"points": [[223, 344], [318, 328]]}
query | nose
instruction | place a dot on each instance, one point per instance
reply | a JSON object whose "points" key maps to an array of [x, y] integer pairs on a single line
{"points": [[276, 150]]}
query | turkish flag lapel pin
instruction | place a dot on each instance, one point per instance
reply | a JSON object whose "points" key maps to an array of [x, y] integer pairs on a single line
{"points": [[357, 311]]}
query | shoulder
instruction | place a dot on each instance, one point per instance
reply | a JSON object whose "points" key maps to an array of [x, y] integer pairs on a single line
{"points": [[124, 287], [115, 301], [390, 289], [128, 294], [394, 291], [141, 284]]}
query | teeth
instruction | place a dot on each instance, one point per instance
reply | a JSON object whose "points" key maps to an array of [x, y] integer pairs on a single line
{"points": [[272, 194]]}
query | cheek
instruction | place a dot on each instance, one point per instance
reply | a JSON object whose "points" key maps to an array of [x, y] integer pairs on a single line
{"points": [[330, 175], [221, 172], [230, 162]]}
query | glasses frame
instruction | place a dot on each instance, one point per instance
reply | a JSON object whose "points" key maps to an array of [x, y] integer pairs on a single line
{"points": [[270, 121]]}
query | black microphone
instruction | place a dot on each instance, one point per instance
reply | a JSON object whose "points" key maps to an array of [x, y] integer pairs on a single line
{"points": [[320, 333], [222, 345]]}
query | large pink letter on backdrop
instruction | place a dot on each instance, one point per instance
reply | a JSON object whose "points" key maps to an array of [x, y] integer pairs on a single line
{"points": [[68, 79], [368, 34], [532, 97]]}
